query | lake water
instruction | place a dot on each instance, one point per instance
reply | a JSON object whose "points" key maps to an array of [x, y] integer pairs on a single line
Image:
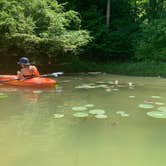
{"points": [[31, 134]]}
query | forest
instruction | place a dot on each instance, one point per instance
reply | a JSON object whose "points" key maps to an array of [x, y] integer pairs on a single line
{"points": [[99, 31]]}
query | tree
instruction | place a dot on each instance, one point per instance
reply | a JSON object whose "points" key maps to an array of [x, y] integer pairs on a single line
{"points": [[40, 27], [108, 13]]}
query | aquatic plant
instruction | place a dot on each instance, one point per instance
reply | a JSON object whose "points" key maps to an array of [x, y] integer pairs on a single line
{"points": [[101, 116], [155, 97], [146, 106], [79, 108], [131, 96], [58, 116], [97, 111], [120, 112], [157, 114], [89, 105], [162, 109], [159, 103], [3, 96], [123, 113], [148, 101], [80, 114], [108, 90]]}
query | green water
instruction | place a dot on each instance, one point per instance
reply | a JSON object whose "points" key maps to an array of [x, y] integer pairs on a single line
{"points": [[30, 135]]}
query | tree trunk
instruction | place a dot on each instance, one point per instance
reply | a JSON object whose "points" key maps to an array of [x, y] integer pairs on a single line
{"points": [[160, 6], [108, 13]]}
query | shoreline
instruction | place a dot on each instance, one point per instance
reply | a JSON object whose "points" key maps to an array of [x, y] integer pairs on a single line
{"points": [[148, 69]]}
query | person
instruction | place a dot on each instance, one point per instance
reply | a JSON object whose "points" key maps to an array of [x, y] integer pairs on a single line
{"points": [[27, 70]]}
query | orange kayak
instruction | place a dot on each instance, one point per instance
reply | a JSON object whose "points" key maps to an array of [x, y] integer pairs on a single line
{"points": [[32, 82]]}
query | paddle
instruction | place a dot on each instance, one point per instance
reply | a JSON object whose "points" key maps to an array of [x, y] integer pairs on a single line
{"points": [[52, 74], [56, 74]]}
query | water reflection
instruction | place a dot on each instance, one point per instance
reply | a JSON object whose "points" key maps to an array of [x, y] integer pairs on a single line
{"points": [[31, 133]]}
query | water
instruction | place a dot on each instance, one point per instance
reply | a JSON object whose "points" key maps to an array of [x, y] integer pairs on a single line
{"points": [[30, 135]]}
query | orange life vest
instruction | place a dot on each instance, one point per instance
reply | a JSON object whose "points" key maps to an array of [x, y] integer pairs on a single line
{"points": [[29, 72]]}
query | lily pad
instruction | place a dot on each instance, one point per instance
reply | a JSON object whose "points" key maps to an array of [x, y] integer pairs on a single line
{"points": [[159, 103], [101, 116], [58, 116], [157, 114], [110, 82], [125, 115], [97, 112], [89, 105], [148, 101], [120, 112], [79, 108], [80, 114], [3, 96], [162, 109], [146, 106], [131, 87], [131, 96], [108, 90], [155, 97]]}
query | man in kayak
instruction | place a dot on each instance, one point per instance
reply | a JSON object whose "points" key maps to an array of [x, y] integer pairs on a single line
{"points": [[27, 70]]}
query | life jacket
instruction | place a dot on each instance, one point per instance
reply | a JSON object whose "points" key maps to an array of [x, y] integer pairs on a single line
{"points": [[30, 72]]}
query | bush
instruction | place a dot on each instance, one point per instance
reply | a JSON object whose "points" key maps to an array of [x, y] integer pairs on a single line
{"points": [[40, 27], [150, 45]]}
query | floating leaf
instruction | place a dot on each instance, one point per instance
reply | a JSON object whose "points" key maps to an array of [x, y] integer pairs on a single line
{"points": [[97, 111], [108, 90], [79, 108], [155, 97], [80, 114], [125, 115], [101, 116], [162, 109], [120, 112], [148, 101], [3, 96], [58, 116], [146, 106], [158, 103], [110, 82], [131, 96], [157, 114], [89, 105]]}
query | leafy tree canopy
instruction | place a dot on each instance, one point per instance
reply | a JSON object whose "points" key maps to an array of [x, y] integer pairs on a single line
{"points": [[40, 26]]}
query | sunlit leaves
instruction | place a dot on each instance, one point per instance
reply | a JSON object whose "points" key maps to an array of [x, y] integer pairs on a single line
{"points": [[38, 23]]}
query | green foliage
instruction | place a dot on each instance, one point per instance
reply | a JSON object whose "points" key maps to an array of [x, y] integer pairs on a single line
{"points": [[150, 45], [55, 28], [112, 43], [40, 27]]}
